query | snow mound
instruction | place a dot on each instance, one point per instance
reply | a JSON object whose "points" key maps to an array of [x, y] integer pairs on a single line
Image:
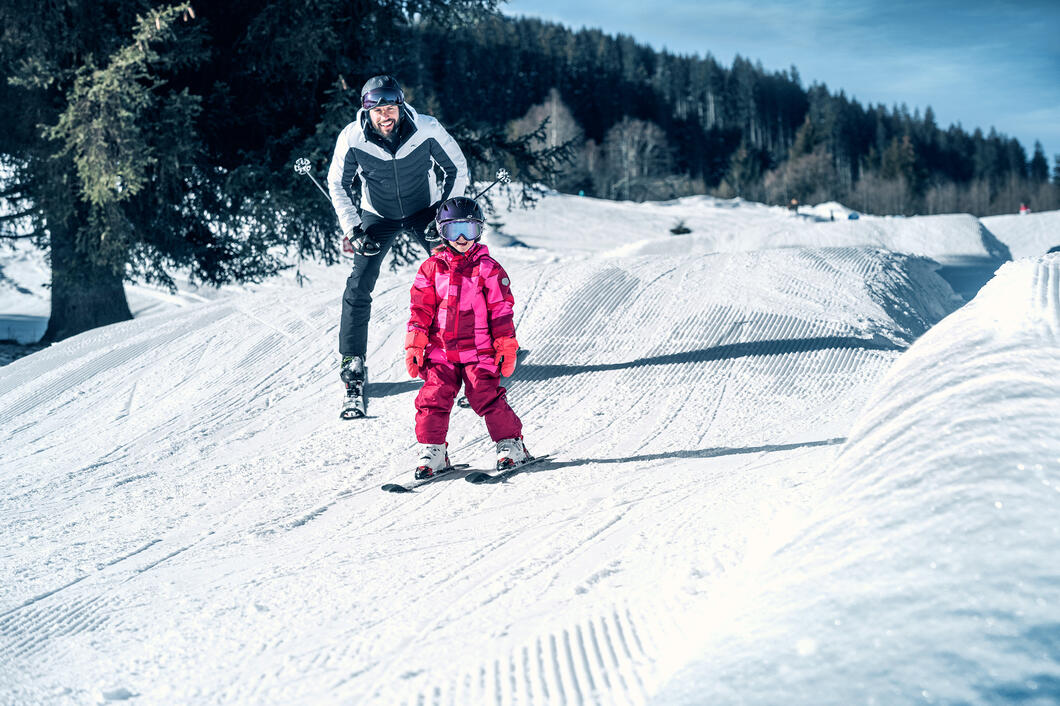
{"points": [[1031, 235], [922, 575], [827, 211], [945, 238]]}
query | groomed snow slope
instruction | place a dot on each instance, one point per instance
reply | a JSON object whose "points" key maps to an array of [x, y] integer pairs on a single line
{"points": [[927, 571], [185, 520], [191, 521]]}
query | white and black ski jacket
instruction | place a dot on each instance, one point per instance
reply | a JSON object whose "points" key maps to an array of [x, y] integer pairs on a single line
{"points": [[396, 181]]}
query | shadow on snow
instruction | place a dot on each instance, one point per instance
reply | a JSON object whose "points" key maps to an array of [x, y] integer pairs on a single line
{"points": [[532, 371]]}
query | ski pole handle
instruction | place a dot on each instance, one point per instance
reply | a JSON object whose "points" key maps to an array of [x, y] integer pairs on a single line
{"points": [[502, 177], [302, 166]]}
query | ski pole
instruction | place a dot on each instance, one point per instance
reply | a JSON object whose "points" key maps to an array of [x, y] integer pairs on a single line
{"points": [[502, 177], [302, 166]]}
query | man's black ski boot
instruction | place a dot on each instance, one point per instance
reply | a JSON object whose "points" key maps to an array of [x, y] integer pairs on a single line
{"points": [[354, 375]]}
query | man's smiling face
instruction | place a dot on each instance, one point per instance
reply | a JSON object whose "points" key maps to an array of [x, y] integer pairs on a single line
{"points": [[385, 119]]}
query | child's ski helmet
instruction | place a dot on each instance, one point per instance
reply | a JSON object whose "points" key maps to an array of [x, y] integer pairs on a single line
{"points": [[460, 216], [459, 208]]}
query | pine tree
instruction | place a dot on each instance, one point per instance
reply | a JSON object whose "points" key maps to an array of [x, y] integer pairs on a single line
{"points": [[169, 134], [1039, 165], [110, 165]]}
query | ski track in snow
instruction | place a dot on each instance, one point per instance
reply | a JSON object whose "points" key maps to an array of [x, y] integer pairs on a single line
{"points": [[689, 406]]}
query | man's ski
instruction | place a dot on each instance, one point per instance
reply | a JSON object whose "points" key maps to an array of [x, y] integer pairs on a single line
{"points": [[480, 478], [410, 487]]}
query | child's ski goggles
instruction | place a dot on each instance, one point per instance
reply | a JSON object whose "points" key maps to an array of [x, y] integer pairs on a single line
{"points": [[451, 230]]}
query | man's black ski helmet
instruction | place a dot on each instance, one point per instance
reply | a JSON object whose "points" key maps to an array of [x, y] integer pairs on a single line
{"points": [[381, 90], [459, 208]]}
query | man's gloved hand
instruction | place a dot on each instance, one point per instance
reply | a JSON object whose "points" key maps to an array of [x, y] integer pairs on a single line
{"points": [[431, 234], [506, 349], [356, 241], [348, 247], [414, 344]]}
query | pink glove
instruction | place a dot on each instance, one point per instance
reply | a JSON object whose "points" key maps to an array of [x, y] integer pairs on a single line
{"points": [[414, 343], [506, 349]]}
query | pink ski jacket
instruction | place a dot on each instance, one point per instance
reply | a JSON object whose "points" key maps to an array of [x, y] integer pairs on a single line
{"points": [[462, 302]]}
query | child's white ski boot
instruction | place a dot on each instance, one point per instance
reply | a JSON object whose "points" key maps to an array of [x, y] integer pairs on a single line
{"points": [[434, 459], [512, 453]]}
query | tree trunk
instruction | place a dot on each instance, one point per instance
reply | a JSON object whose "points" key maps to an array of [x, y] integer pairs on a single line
{"points": [[84, 295]]}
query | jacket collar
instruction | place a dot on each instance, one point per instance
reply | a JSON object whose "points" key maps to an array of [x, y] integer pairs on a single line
{"points": [[474, 254]]}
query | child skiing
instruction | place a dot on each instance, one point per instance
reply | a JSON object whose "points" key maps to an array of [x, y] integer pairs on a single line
{"points": [[461, 331]]}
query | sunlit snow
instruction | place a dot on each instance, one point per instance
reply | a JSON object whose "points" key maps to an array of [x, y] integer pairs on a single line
{"points": [[790, 464]]}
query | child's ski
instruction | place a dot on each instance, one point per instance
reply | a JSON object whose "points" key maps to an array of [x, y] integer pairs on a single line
{"points": [[409, 487], [480, 478]]}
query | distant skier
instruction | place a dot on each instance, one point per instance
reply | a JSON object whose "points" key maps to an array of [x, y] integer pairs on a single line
{"points": [[461, 331], [1024, 209], [393, 151]]}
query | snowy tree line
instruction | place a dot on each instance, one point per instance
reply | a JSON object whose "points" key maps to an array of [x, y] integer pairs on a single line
{"points": [[144, 137], [648, 124]]}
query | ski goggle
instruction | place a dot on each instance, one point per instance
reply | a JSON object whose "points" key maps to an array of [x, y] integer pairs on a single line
{"points": [[382, 96], [451, 230]]}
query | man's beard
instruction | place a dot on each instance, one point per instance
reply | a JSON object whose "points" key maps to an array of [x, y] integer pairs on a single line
{"points": [[388, 134]]}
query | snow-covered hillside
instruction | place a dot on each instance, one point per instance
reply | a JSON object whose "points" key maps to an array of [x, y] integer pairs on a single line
{"points": [[25, 293], [745, 451], [1029, 235]]}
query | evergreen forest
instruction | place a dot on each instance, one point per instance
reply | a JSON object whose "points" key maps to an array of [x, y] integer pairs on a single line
{"points": [[142, 137]]}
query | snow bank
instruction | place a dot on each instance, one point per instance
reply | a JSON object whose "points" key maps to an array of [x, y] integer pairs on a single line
{"points": [[944, 238], [926, 572], [563, 222], [828, 211], [25, 293], [24, 297], [1031, 235]]}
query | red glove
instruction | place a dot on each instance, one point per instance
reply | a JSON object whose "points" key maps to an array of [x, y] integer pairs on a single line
{"points": [[506, 349], [347, 247], [351, 242], [414, 343]]}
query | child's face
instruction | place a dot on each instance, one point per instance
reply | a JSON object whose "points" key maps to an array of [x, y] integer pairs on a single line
{"points": [[461, 244]]}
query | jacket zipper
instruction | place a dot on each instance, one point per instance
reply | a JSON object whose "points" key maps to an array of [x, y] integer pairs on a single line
{"points": [[397, 189]]}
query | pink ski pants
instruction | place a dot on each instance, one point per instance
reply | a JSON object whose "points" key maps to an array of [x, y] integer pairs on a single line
{"points": [[487, 398]]}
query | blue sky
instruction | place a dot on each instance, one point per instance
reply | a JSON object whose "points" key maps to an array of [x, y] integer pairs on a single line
{"points": [[980, 64]]}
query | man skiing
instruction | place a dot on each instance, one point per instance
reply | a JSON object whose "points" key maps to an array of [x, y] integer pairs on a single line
{"points": [[393, 151], [461, 331]]}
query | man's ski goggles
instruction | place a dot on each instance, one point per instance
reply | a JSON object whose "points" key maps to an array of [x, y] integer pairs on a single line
{"points": [[382, 96], [451, 230]]}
